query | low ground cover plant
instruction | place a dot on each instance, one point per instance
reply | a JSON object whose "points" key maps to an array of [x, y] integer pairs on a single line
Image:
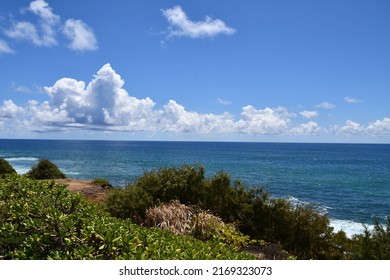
{"points": [[43, 220]]}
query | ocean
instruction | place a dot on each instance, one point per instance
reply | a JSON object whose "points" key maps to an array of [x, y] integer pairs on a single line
{"points": [[348, 182]]}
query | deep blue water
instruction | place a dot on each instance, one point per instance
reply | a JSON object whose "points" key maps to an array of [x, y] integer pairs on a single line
{"points": [[350, 182]]}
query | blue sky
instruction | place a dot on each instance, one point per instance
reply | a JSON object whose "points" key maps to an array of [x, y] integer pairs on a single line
{"points": [[305, 71]]}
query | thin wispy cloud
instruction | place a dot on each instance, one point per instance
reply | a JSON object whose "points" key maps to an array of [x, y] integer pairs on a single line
{"points": [[223, 101], [44, 33], [181, 26], [352, 100], [325, 105], [20, 88], [5, 48], [309, 114]]}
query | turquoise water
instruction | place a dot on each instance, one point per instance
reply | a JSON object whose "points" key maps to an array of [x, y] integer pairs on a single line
{"points": [[349, 182]]}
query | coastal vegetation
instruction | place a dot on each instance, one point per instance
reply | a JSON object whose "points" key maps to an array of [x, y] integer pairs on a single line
{"points": [[44, 170], [6, 168], [168, 213], [300, 229], [43, 220], [101, 182]]}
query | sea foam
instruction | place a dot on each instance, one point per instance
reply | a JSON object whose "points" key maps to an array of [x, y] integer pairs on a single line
{"points": [[349, 227], [12, 159]]}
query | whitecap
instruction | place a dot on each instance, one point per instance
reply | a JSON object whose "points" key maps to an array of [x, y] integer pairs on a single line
{"points": [[21, 170], [322, 209], [349, 227], [71, 172], [21, 159]]}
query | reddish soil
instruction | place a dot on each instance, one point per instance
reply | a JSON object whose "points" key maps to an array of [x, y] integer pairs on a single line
{"points": [[85, 187]]}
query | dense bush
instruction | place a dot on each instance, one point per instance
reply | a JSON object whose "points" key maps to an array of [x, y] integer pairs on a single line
{"points": [[6, 168], [300, 229], [185, 184], [44, 170], [373, 245], [43, 220], [101, 182], [131, 202]]}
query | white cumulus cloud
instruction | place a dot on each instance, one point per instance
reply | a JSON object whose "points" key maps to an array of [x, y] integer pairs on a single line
{"points": [[350, 127], [9, 109], [42, 34], [181, 25], [103, 104], [310, 128], [80, 34], [379, 127], [45, 31], [263, 121]]}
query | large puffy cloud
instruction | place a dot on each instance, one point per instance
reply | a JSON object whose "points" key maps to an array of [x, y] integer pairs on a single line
{"points": [[180, 25], [103, 104], [106, 104]]}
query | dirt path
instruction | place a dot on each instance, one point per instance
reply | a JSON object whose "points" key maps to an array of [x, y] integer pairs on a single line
{"points": [[85, 187]]}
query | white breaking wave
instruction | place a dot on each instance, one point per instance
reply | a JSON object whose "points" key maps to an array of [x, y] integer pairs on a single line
{"points": [[22, 159], [22, 164], [21, 170], [322, 209], [71, 172], [349, 227]]}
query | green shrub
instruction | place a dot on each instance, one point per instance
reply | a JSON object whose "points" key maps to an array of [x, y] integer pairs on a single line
{"points": [[44, 170], [100, 182], [131, 202], [6, 168], [43, 220], [372, 245], [185, 184], [300, 229]]}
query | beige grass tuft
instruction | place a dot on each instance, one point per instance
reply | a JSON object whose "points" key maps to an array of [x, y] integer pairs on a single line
{"points": [[184, 220]]}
